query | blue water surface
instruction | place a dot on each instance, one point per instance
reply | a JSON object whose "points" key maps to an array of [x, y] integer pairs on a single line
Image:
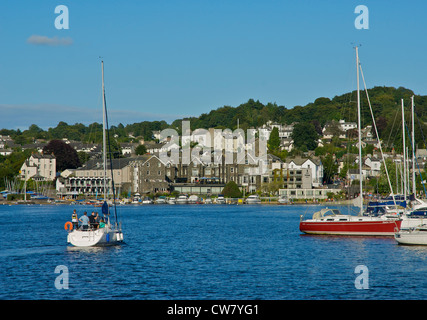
{"points": [[202, 252]]}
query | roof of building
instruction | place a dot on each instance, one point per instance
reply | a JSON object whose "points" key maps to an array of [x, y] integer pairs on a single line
{"points": [[42, 156], [299, 161]]}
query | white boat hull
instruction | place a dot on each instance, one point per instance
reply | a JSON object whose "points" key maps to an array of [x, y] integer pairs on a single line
{"points": [[92, 238], [411, 237]]}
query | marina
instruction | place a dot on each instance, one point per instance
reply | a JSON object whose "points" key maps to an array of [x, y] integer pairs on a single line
{"points": [[202, 252], [244, 158]]}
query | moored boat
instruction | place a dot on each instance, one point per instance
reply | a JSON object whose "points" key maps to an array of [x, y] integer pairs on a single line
{"points": [[283, 200], [220, 199], [160, 200], [331, 222], [193, 199], [253, 199], [416, 236], [147, 200], [182, 199]]}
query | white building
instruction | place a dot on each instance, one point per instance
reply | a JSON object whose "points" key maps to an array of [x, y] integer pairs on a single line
{"points": [[315, 165], [375, 166], [39, 166], [345, 126]]}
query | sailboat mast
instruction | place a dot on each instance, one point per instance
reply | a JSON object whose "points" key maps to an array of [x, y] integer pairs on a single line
{"points": [[104, 137], [404, 152], [360, 133], [414, 188]]}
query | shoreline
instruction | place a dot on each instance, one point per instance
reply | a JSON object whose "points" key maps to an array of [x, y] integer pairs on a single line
{"points": [[68, 203]]}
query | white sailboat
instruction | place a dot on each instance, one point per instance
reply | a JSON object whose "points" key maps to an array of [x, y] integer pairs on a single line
{"points": [[108, 233]]}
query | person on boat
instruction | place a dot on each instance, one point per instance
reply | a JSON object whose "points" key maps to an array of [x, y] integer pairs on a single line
{"points": [[84, 219], [92, 220], [96, 219], [75, 220], [101, 223]]}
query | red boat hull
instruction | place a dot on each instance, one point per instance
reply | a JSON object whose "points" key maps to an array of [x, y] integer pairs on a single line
{"points": [[359, 228]]}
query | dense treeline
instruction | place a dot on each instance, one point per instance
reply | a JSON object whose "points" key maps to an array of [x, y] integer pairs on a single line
{"points": [[386, 104], [91, 133]]}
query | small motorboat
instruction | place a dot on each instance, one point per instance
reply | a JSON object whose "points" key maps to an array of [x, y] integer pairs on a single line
{"points": [[160, 200], [183, 199], [253, 199], [220, 199], [147, 200], [283, 200], [193, 199], [171, 200]]}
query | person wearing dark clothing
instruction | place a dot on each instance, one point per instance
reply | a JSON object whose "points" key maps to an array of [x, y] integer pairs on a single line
{"points": [[92, 220]]}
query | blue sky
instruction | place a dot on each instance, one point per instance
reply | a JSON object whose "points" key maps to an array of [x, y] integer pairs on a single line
{"points": [[169, 59]]}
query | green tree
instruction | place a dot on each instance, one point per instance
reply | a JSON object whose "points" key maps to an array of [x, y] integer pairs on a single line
{"points": [[305, 136], [330, 168], [83, 157], [273, 142], [141, 149], [231, 190]]}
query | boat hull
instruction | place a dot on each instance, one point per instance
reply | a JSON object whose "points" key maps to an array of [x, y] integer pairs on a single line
{"points": [[354, 228], [416, 237], [94, 238]]}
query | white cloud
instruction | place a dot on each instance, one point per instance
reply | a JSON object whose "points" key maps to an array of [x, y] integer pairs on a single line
{"points": [[46, 41]]}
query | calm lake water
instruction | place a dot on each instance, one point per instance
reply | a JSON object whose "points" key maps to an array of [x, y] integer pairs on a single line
{"points": [[202, 252]]}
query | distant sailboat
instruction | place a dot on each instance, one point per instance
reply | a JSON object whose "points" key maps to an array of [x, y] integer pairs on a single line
{"points": [[109, 233]]}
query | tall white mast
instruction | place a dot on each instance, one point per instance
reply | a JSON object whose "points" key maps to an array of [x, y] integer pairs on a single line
{"points": [[104, 137], [360, 134], [404, 152], [414, 188]]}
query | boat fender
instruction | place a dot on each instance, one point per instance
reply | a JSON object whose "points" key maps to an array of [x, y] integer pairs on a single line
{"points": [[68, 226], [108, 237]]}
